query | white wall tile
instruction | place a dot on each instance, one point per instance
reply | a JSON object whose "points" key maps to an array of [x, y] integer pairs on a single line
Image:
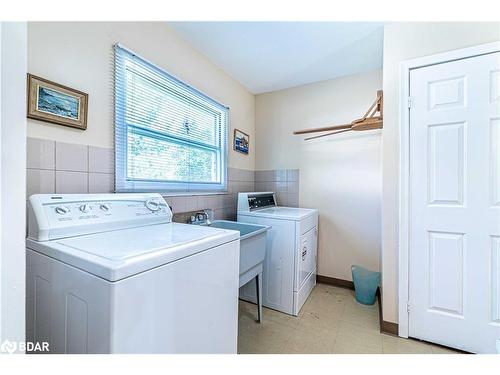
{"points": [[293, 187], [203, 202], [235, 187], [263, 176], [178, 204], [248, 186], [191, 203], [71, 182], [215, 201], [251, 175], [232, 174], [292, 175], [232, 187], [40, 153], [260, 186], [280, 175], [281, 199], [230, 200], [220, 214], [101, 160], [168, 200], [247, 175], [293, 200], [40, 181], [72, 161], [101, 183], [230, 213], [281, 187], [71, 157]]}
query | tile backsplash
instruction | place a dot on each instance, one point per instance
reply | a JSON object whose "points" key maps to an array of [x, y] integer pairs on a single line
{"points": [[224, 206], [58, 167], [284, 182]]}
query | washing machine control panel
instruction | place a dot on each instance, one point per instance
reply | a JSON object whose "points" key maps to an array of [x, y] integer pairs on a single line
{"points": [[100, 209], [74, 214]]}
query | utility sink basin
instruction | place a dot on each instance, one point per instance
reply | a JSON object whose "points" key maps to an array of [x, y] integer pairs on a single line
{"points": [[252, 243]]}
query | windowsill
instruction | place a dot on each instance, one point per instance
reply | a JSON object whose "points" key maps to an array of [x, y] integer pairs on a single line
{"points": [[193, 193]]}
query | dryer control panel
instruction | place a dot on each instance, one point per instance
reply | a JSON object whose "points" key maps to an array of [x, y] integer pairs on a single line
{"points": [[253, 201], [261, 200], [66, 215]]}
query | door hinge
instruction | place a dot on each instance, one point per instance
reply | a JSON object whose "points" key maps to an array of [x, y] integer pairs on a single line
{"points": [[410, 101], [408, 306]]}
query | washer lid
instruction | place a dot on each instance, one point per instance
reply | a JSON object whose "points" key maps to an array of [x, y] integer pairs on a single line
{"points": [[124, 244], [285, 213], [118, 254]]}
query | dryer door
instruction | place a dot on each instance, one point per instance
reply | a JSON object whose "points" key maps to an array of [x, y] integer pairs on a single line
{"points": [[306, 256]]}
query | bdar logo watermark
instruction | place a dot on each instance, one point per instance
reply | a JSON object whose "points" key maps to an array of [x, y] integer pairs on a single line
{"points": [[11, 347]]}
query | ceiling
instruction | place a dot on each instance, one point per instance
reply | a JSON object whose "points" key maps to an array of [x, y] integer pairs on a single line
{"points": [[270, 56]]}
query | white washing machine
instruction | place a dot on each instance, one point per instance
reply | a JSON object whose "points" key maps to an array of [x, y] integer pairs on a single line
{"points": [[112, 274], [291, 256]]}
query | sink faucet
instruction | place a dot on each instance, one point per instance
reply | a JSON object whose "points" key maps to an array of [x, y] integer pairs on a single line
{"points": [[203, 216], [200, 217]]}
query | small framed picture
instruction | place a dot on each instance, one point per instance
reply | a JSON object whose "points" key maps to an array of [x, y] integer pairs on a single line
{"points": [[55, 103], [241, 141]]}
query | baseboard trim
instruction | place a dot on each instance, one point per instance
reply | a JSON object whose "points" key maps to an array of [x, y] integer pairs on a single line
{"points": [[388, 328], [335, 282]]}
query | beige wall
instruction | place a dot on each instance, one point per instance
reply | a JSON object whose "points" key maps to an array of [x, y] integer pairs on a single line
{"points": [[79, 55], [403, 41], [340, 175]]}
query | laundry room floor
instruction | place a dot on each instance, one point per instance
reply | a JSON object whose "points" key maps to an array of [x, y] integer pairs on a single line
{"points": [[331, 321]]}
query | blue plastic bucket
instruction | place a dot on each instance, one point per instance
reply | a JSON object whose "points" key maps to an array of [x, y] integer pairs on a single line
{"points": [[366, 283]]}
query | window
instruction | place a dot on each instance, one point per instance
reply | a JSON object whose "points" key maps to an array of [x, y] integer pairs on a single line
{"points": [[169, 137]]}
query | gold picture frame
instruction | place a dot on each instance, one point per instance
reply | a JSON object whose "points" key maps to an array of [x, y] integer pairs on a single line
{"points": [[51, 102]]}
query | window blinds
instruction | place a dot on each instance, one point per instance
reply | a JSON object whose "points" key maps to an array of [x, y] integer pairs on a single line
{"points": [[168, 135]]}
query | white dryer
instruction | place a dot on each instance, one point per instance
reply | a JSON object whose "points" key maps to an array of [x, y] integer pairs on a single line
{"points": [[291, 256], [112, 274]]}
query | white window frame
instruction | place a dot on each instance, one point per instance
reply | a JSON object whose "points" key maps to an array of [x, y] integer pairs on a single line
{"points": [[123, 184]]}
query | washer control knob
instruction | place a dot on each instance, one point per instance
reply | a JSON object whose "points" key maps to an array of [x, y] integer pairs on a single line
{"points": [[62, 210], [153, 205], [105, 207], [85, 208]]}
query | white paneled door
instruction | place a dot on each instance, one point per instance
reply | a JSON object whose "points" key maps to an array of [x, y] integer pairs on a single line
{"points": [[454, 274]]}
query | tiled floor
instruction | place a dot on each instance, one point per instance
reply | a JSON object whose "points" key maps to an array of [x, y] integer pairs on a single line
{"points": [[331, 321]]}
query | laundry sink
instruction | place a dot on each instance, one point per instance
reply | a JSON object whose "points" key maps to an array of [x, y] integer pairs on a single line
{"points": [[252, 243]]}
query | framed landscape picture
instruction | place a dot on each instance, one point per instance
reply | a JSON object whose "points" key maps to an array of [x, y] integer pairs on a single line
{"points": [[241, 141], [55, 103]]}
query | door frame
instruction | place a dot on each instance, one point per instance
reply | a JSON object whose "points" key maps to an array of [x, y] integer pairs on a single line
{"points": [[13, 70], [404, 163]]}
